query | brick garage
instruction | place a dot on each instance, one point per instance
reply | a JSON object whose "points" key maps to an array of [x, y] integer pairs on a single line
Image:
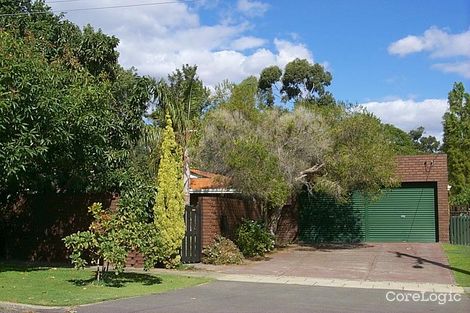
{"points": [[416, 211], [433, 169]]}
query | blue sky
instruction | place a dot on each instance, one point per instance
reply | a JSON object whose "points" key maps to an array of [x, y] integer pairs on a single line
{"points": [[354, 36], [399, 59]]}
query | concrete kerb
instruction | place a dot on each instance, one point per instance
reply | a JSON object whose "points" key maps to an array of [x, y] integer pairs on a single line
{"points": [[322, 282], [308, 281], [21, 306]]}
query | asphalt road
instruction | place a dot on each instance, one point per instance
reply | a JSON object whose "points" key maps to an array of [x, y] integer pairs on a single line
{"points": [[236, 297]]}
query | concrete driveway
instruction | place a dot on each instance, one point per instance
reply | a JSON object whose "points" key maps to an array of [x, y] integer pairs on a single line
{"points": [[403, 262]]}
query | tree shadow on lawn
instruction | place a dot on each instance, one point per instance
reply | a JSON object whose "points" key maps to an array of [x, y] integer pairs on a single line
{"points": [[110, 279]]}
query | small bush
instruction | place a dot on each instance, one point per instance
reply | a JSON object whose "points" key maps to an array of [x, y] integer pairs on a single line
{"points": [[254, 239], [222, 251]]}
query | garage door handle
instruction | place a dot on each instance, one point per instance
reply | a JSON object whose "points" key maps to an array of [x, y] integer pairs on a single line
{"points": [[402, 216]]}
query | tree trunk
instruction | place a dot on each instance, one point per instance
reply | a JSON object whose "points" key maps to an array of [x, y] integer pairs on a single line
{"points": [[274, 216], [186, 176], [98, 271]]}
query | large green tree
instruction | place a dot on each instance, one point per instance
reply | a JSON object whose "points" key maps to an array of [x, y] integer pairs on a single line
{"points": [[70, 113], [272, 154], [457, 142], [169, 203], [185, 97], [71, 119]]}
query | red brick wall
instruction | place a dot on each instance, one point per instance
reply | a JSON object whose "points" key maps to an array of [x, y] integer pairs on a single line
{"points": [[221, 215], [288, 227], [34, 225], [135, 259], [429, 168]]}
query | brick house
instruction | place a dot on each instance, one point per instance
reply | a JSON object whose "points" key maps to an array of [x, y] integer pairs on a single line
{"points": [[417, 211]]}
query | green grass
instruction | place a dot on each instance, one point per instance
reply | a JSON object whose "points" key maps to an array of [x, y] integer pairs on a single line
{"points": [[67, 287], [459, 260]]}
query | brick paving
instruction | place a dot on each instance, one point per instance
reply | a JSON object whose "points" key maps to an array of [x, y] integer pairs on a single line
{"points": [[401, 262]]}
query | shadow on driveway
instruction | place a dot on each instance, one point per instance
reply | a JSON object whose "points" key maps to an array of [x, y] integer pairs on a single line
{"points": [[420, 261]]}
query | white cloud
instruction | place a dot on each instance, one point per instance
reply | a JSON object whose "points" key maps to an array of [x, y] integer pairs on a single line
{"points": [[247, 42], [436, 41], [439, 44], [410, 114], [407, 45], [461, 68], [252, 8], [288, 50], [158, 39], [214, 66]]}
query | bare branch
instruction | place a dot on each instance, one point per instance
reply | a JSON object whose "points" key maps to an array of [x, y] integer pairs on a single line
{"points": [[312, 170]]}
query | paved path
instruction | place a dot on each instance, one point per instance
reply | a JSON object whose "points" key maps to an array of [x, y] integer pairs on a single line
{"points": [[402, 262], [231, 297]]}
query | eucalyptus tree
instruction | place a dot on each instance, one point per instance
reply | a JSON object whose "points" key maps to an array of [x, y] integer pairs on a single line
{"points": [[300, 81], [424, 144]]}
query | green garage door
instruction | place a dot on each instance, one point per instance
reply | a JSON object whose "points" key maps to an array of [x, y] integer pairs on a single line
{"points": [[401, 214]]}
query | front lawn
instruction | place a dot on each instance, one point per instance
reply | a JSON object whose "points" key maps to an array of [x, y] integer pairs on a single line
{"points": [[459, 260], [66, 286]]}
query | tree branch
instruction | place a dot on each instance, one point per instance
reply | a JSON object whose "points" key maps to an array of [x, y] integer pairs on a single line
{"points": [[312, 170]]}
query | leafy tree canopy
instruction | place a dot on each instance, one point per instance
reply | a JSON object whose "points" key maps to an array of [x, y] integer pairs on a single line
{"points": [[428, 144], [401, 141], [70, 113], [457, 142], [185, 97]]}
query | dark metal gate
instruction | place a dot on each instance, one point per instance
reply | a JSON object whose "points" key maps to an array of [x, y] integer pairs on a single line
{"points": [[191, 247], [460, 230]]}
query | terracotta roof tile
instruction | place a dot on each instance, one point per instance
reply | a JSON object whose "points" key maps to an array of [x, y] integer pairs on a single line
{"points": [[209, 181]]}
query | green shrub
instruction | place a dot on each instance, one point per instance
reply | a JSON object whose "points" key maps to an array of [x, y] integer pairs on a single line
{"points": [[254, 239], [222, 251]]}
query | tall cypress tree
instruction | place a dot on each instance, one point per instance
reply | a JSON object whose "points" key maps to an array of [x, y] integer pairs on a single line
{"points": [[457, 140], [169, 205]]}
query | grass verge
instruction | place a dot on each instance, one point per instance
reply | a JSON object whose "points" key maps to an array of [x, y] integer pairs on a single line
{"points": [[67, 287], [459, 260]]}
